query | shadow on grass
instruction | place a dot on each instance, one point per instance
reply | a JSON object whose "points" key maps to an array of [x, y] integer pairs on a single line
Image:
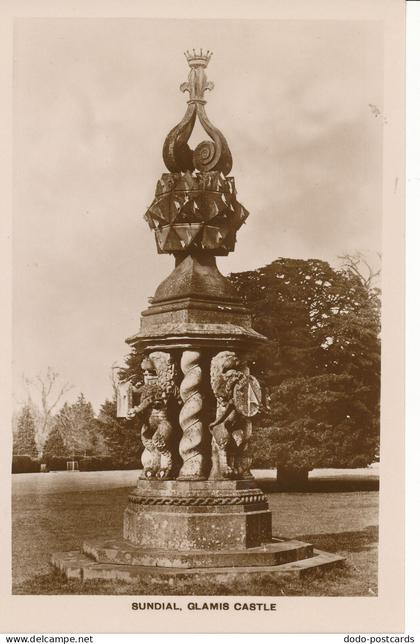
{"points": [[344, 542], [324, 485], [355, 577]]}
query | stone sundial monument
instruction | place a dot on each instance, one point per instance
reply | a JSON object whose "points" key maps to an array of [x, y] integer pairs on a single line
{"points": [[196, 509]]}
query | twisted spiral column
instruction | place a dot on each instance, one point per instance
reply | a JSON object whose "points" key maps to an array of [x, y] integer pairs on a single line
{"points": [[191, 444]]}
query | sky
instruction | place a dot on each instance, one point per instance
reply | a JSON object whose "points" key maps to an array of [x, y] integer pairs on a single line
{"points": [[300, 104]]}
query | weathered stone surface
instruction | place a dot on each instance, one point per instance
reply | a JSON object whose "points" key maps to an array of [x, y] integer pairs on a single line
{"points": [[197, 276], [196, 336], [187, 489], [76, 565], [158, 434], [195, 212], [193, 446], [196, 306], [71, 563], [194, 312], [196, 315], [231, 429], [197, 515], [184, 530], [269, 554]]}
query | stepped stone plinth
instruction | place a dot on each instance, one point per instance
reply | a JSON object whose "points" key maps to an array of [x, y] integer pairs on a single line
{"points": [[193, 529]]}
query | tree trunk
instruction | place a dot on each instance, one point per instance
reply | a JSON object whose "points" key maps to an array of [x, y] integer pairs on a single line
{"points": [[291, 479]]}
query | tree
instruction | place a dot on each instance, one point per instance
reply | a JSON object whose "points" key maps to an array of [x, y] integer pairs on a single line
{"points": [[77, 426], [54, 445], [121, 436], [24, 440], [321, 365], [358, 266], [49, 391]]}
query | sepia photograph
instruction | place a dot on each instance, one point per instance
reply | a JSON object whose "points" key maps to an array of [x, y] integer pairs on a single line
{"points": [[198, 272]]}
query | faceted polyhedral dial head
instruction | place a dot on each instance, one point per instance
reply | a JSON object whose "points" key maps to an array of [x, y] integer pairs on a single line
{"points": [[195, 206]]}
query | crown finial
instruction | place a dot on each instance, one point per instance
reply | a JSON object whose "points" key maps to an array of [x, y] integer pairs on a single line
{"points": [[197, 82], [198, 59]]}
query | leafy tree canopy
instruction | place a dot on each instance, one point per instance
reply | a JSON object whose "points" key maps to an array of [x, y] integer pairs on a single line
{"points": [[321, 364], [54, 445], [76, 423], [121, 436], [24, 443]]}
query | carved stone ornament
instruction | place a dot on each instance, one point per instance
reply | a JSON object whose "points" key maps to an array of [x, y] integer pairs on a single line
{"points": [[246, 497], [157, 429], [238, 398], [191, 444], [208, 155], [247, 396], [196, 211], [195, 205]]}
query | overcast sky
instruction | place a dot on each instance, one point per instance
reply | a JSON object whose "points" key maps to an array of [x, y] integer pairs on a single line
{"points": [[300, 103]]}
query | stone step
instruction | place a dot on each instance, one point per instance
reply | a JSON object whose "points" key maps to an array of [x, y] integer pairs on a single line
{"points": [[72, 563], [76, 565], [279, 551]]}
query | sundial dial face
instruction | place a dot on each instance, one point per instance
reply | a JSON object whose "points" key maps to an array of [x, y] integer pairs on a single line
{"points": [[247, 396]]}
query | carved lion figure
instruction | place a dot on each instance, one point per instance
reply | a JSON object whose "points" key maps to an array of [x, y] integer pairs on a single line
{"points": [[157, 430], [231, 429]]}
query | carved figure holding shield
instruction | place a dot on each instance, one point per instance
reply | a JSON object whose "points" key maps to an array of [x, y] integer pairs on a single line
{"points": [[238, 396], [157, 430]]}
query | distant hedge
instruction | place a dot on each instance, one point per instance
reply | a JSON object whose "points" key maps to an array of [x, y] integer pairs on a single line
{"points": [[84, 463], [56, 463], [96, 464], [103, 463], [24, 464]]}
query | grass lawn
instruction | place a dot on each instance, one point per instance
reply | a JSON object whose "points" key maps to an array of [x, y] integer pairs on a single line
{"points": [[55, 512]]}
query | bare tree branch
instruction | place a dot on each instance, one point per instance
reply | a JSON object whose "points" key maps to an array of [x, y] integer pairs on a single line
{"points": [[64, 389], [49, 396], [358, 265]]}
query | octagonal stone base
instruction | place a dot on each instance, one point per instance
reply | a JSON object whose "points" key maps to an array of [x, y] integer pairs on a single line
{"points": [[220, 530], [246, 566], [197, 515]]}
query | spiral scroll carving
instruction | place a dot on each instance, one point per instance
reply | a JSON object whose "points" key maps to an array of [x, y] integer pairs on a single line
{"points": [[208, 155], [191, 444], [205, 156]]}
